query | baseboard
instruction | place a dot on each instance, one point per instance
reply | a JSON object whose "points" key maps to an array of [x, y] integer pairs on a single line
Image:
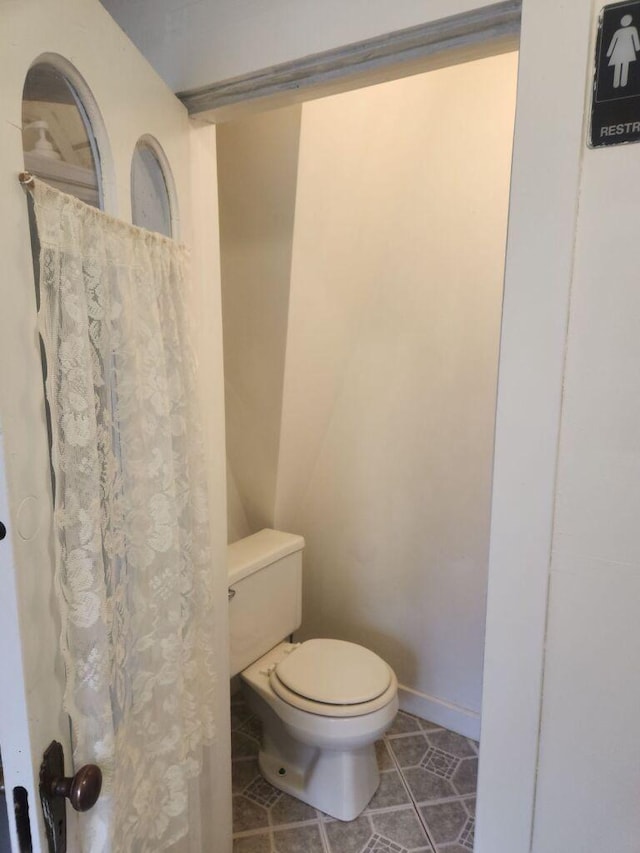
{"points": [[446, 714]]}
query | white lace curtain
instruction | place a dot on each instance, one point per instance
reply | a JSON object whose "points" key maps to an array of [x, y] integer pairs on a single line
{"points": [[133, 567]]}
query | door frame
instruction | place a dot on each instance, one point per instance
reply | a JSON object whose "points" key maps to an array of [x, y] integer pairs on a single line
{"points": [[539, 259]]}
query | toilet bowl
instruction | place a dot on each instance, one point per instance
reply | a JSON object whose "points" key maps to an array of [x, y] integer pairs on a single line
{"points": [[323, 703], [322, 750]]}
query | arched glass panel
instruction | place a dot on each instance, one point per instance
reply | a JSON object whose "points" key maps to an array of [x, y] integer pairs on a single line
{"points": [[59, 145], [150, 202]]}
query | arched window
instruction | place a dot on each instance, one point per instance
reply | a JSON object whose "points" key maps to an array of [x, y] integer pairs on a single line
{"points": [[59, 144], [151, 198]]}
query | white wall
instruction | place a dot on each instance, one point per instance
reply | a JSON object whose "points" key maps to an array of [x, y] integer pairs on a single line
{"points": [[257, 164], [389, 396], [589, 744], [564, 773], [387, 408], [193, 44]]}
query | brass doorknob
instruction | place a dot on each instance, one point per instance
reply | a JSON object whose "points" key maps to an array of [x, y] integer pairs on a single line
{"points": [[82, 790]]}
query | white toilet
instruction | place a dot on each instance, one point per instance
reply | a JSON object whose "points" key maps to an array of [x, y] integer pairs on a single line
{"points": [[323, 703]]}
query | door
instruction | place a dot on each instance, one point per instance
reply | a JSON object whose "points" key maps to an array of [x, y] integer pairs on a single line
{"points": [[124, 102]]}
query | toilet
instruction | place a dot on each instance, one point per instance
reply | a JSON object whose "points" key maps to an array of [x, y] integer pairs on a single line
{"points": [[323, 703]]}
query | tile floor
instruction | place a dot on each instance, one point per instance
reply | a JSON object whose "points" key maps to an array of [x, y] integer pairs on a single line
{"points": [[425, 802]]}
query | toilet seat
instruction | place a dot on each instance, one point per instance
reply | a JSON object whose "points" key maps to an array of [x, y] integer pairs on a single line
{"points": [[333, 678]]}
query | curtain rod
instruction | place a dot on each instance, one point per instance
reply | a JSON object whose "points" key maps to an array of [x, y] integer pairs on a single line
{"points": [[26, 179]]}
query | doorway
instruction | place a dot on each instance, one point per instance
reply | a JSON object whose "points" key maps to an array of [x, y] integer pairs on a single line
{"points": [[362, 287]]}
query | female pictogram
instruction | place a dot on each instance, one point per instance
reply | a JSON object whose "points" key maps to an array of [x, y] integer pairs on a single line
{"points": [[623, 50]]}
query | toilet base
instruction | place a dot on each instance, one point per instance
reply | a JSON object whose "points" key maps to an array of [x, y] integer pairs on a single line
{"points": [[327, 762], [339, 783]]}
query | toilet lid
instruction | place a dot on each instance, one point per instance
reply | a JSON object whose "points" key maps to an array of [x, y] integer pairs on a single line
{"points": [[323, 709], [334, 672]]}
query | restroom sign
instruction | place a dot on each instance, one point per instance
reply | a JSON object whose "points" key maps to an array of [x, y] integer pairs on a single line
{"points": [[615, 111]]}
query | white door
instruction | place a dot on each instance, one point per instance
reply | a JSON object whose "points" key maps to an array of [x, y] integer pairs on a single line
{"points": [[124, 101]]}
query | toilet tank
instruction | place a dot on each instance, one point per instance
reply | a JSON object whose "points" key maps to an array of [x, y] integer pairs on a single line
{"points": [[265, 594]]}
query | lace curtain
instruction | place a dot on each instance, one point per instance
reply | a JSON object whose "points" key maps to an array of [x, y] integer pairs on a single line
{"points": [[133, 568]]}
